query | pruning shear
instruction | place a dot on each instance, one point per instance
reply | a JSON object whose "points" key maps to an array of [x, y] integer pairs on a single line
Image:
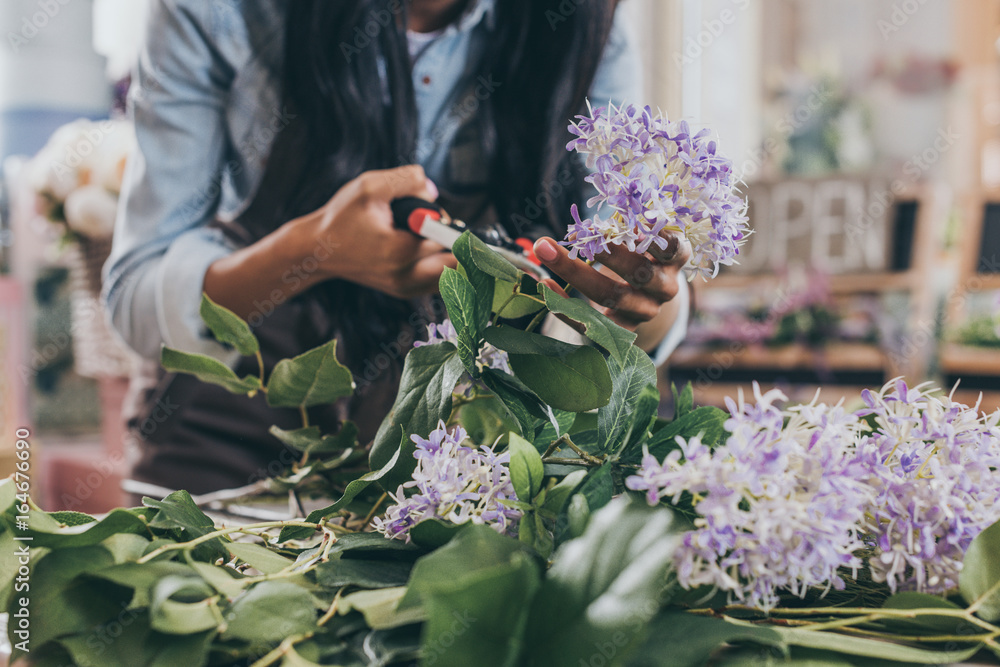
{"points": [[432, 222]]}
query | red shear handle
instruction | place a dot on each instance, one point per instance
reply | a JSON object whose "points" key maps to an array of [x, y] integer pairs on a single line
{"points": [[410, 213]]}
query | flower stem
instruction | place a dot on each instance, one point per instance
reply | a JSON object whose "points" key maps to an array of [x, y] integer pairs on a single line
{"points": [[978, 602], [965, 614], [513, 295], [569, 462], [374, 509], [536, 320], [248, 529], [260, 362], [565, 440]]}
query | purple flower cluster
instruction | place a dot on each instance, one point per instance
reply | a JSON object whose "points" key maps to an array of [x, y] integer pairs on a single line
{"points": [[654, 175], [793, 495], [489, 356], [453, 483], [778, 504], [937, 465]]}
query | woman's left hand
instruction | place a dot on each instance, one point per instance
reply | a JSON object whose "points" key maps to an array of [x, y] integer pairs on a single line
{"points": [[629, 288]]}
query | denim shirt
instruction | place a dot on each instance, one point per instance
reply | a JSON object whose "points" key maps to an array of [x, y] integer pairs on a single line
{"points": [[207, 105]]}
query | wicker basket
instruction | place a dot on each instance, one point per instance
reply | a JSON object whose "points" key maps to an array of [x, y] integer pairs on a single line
{"points": [[97, 351]]}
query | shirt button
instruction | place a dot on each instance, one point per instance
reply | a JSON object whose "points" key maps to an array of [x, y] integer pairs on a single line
{"points": [[426, 80]]}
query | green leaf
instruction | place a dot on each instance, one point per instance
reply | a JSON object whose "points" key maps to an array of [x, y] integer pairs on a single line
{"points": [[643, 418], [516, 341], [577, 516], [381, 608], [518, 307], [482, 283], [129, 640], [567, 377], [142, 578], [350, 493], [526, 469], [183, 606], [476, 591], [228, 328], [125, 547], [269, 612], [870, 648], [63, 599], [488, 261], [223, 579], [87, 534], [487, 419], [520, 401], [557, 496], [340, 572], [979, 581], [597, 327], [430, 374], [941, 625], [312, 378], [598, 487], [259, 557], [72, 518], [460, 299], [475, 548], [481, 620], [178, 513], [371, 545], [550, 431], [683, 401], [633, 390], [208, 370], [308, 440], [603, 587], [679, 639], [434, 533], [707, 421]]}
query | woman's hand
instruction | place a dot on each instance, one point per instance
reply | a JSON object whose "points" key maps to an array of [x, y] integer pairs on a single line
{"points": [[354, 239], [631, 289], [351, 237]]}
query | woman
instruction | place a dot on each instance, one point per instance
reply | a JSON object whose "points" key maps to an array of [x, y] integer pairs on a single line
{"points": [[272, 137]]}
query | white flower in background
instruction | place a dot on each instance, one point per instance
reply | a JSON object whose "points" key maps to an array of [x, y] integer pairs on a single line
{"points": [[91, 210], [78, 174]]}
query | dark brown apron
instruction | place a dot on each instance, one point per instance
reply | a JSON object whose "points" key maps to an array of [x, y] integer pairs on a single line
{"points": [[200, 437]]}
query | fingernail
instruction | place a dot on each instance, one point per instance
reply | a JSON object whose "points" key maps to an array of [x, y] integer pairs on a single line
{"points": [[433, 189], [545, 251]]}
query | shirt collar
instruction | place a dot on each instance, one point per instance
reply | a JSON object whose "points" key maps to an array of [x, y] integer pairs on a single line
{"points": [[478, 11]]}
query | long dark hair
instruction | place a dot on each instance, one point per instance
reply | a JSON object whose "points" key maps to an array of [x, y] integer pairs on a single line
{"points": [[360, 110]]}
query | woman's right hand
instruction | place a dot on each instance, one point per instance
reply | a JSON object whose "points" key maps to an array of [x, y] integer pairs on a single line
{"points": [[352, 236]]}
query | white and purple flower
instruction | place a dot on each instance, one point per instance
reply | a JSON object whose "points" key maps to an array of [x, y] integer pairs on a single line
{"points": [[779, 505], [454, 483], [937, 466], [651, 175], [793, 495]]}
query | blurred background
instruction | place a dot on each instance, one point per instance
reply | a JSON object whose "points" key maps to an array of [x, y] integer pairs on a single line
{"points": [[867, 133]]}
